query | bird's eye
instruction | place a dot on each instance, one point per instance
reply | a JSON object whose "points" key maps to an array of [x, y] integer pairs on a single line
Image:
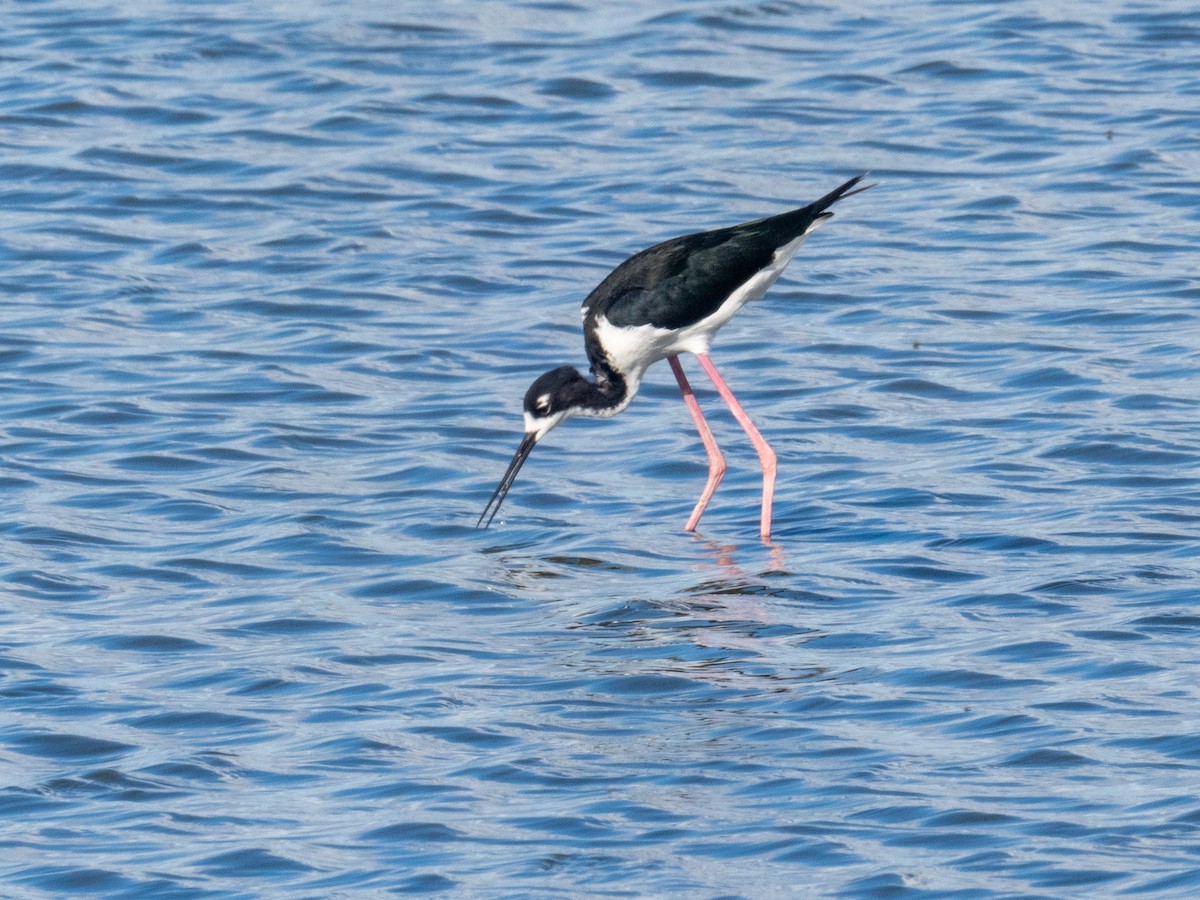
{"points": [[543, 405]]}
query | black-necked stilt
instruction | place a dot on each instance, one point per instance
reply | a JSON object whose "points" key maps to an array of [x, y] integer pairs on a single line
{"points": [[667, 300]]}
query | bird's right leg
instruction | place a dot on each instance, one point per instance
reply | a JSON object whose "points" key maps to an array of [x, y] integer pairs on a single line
{"points": [[765, 454], [716, 462]]}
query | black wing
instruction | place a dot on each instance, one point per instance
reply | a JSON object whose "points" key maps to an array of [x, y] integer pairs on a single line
{"points": [[680, 281]]}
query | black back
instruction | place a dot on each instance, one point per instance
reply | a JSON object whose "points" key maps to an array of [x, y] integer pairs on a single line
{"points": [[685, 279]]}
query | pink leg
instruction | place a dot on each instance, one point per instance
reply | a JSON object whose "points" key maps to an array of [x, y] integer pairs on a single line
{"points": [[765, 454], [716, 462]]}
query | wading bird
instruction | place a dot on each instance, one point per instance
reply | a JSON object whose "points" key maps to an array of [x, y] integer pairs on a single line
{"points": [[669, 299]]}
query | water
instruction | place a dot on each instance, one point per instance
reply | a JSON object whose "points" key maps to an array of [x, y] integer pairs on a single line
{"points": [[275, 277]]}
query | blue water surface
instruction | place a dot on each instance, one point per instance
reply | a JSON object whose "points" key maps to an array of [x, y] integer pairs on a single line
{"points": [[274, 279]]}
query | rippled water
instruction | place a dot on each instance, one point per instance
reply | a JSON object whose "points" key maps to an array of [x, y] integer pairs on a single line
{"points": [[275, 277]]}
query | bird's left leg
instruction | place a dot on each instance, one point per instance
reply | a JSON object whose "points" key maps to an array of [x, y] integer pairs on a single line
{"points": [[716, 462], [765, 454]]}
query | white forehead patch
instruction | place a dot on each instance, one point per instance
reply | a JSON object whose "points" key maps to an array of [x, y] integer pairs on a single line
{"points": [[541, 425]]}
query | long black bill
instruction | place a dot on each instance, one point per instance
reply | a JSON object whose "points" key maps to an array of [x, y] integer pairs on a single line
{"points": [[518, 460]]}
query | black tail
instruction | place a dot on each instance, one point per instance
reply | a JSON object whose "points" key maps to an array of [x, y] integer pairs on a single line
{"points": [[818, 207], [787, 226]]}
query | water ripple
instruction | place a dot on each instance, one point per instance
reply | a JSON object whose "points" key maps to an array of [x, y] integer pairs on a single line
{"points": [[276, 280]]}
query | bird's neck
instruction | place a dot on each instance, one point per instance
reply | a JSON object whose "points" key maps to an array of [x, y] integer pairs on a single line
{"points": [[608, 394]]}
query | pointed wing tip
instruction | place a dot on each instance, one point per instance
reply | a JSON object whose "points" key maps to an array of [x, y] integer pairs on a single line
{"points": [[859, 190], [840, 193]]}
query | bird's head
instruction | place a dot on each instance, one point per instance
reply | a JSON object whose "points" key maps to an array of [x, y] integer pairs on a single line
{"points": [[551, 398]]}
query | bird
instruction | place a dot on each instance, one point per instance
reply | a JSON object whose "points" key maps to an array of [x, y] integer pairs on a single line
{"points": [[669, 299]]}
